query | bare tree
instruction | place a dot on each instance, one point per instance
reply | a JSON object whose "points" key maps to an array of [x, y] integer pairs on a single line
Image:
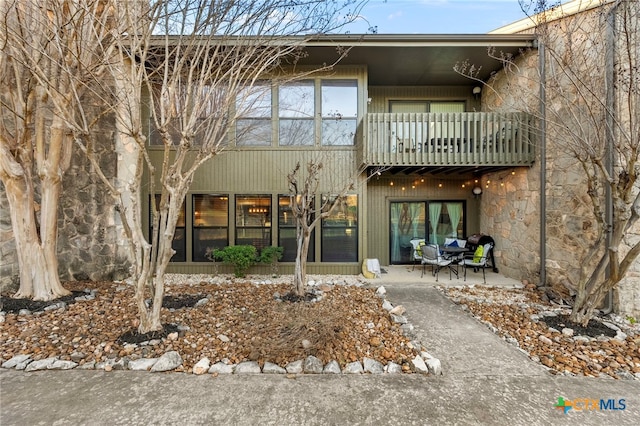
{"points": [[304, 190], [50, 51], [592, 111], [197, 67]]}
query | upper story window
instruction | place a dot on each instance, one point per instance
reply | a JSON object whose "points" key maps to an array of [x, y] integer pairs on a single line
{"points": [[296, 110], [339, 111], [253, 106]]}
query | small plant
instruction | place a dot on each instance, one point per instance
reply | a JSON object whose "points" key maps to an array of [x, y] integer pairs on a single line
{"points": [[241, 257], [631, 319], [271, 255]]}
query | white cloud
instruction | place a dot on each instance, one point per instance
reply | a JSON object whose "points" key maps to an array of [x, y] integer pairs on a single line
{"points": [[394, 15]]}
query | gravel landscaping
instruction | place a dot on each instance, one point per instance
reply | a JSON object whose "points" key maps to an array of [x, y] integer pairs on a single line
{"points": [[608, 347], [215, 324]]}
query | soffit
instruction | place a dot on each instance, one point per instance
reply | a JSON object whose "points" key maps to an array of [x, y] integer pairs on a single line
{"points": [[418, 60]]}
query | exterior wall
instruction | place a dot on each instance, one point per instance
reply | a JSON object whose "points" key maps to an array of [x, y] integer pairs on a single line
{"points": [[511, 212], [381, 95], [8, 259], [87, 243], [381, 193], [264, 172]]}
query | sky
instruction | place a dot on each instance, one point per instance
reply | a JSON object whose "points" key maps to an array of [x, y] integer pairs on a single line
{"points": [[436, 16]]}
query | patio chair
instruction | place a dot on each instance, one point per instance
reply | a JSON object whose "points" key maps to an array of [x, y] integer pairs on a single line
{"points": [[431, 256], [416, 253], [477, 260]]}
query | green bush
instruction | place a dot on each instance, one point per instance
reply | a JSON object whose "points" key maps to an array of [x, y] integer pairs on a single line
{"points": [[270, 255], [241, 257]]}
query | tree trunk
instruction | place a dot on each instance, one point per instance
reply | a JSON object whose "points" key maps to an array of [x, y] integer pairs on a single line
{"points": [[586, 304], [37, 262], [151, 280], [300, 272]]}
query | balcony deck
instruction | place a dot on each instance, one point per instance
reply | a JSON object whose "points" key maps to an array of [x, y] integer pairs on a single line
{"points": [[449, 139]]}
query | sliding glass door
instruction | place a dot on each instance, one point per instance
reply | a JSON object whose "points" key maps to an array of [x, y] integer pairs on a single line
{"points": [[430, 220], [408, 221]]}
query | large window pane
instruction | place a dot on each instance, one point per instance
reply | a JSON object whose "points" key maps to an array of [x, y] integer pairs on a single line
{"points": [[253, 220], [210, 224], [340, 231], [296, 111], [339, 111], [179, 243], [287, 232], [253, 106]]}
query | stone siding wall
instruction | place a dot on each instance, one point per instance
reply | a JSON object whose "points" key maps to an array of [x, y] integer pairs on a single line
{"points": [[88, 243], [511, 202], [8, 259]]}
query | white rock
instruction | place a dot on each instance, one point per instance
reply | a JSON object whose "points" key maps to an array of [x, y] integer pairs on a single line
{"points": [[61, 364], [372, 366], [399, 319], [306, 344], [354, 367], [168, 361], [332, 367], [142, 364], [567, 332], [620, 335], [201, 366], [393, 368], [16, 360], [247, 367], [381, 291], [294, 367], [544, 339], [312, 365], [419, 365], [386, 305], [271, 368], [41, 364], [434, 366], [221, 368], [223, 338]]}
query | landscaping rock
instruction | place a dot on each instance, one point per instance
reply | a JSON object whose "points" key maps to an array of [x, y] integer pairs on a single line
{"points": [[332, 367], [247, 367], [271, 368], [167, 362], [312, 365]]}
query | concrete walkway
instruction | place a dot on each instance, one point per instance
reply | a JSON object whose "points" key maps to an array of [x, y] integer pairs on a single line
{"points": [[485, 382]]}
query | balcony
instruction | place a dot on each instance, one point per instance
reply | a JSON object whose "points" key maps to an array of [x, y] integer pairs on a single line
{"points": [[449, 139]]}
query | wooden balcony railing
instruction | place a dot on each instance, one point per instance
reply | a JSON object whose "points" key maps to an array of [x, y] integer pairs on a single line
{"points": [[448, 139]]}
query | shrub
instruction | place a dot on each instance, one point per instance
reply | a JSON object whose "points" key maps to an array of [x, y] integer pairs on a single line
{"points": [[271, 255], [241, 257]]}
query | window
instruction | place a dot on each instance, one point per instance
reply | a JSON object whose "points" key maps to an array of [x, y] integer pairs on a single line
{"points": [[296, 112], [185, 105], [179, 243], [340, 231], [253, 220], [210, 224], [253, 106], [339, 111], [287, 232]]}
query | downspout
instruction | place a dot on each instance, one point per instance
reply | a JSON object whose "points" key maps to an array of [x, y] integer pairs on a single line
{"points": [[543, 165], [610, 43]]}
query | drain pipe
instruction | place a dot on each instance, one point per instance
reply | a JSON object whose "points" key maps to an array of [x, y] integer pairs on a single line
{"points": [[610, 43], [543, 165]]}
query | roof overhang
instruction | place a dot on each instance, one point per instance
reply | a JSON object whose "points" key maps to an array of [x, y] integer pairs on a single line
{"points": [[417, 60]]}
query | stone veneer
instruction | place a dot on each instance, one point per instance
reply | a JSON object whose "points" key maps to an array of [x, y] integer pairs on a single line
{"points": [[88, 247], [510, 206]]}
